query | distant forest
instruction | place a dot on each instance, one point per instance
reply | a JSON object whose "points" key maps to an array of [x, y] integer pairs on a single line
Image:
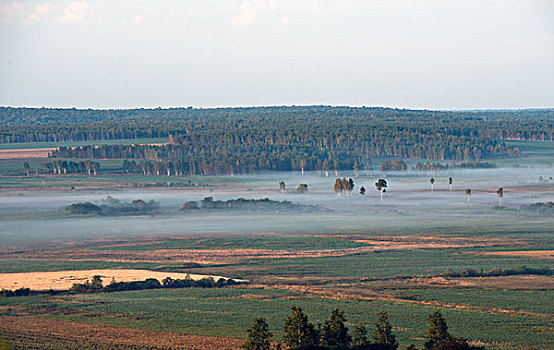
{"points": [[245, 140]]}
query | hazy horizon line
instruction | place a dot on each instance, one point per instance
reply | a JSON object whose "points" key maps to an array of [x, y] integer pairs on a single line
{"points": [[498, 109]]}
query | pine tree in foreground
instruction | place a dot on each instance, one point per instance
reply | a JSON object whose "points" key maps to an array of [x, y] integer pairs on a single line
{"points": [[258, 336]]}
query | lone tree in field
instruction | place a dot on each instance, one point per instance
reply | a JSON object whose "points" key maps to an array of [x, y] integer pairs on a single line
{"points": [[334, 332], [299, 332], [383, 332], [350, 185], [282, 186], [359, 336], [432, 181], [258, 336], [362, 190], [500, 193], [96, 282], [381, 186], [450, 183], [468, 194], [438, 330]]}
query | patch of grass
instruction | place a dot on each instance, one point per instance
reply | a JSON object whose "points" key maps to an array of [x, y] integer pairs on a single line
{"points": [[373, 265], [537, 301], [228, 312], [13, 266], [270, 243]]}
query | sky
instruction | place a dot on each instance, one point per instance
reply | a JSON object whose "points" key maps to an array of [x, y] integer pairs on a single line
{"points": [[434, 54]]}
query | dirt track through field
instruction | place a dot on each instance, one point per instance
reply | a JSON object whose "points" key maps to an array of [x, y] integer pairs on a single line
{"points": [[63, 280], [537, 254]]}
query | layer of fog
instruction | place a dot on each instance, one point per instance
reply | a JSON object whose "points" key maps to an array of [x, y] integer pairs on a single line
{"points": [[409, 205]]}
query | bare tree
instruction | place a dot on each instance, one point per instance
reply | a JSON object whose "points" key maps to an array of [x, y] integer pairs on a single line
{"points": [[500, 193], [468, 194]]}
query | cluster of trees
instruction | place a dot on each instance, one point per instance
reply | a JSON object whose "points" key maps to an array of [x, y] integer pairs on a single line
{"points": [[299, 333], [246, 140], [343, 186], [242, 204], [96, 284], [113, 206], [396, 165], [62, 166], [445, 166], [520, 270]]}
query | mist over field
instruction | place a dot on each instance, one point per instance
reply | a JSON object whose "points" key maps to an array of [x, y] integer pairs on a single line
{"points": [[407, 206]]}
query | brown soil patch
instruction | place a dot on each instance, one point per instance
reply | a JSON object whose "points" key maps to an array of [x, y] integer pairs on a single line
{"points": [[538, 254], [63, 280], [27, 332], [507, 282], [428, 242], [25, 153]]}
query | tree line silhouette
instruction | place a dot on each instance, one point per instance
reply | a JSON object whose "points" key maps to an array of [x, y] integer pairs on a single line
{"points": [[300, 333], [245, 140]]}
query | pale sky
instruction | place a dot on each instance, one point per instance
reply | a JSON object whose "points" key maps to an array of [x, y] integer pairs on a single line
{"points": [[436, 54]]}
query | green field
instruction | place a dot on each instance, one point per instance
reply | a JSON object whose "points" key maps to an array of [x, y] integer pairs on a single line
{"points": [[216, 312], [13, 266], [536, 301], [270, 243]]}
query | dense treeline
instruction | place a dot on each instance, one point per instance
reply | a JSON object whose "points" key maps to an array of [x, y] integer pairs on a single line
{"points": [[333, 334], [113, 207], [96, 285], [245, 140], [150, 283]]}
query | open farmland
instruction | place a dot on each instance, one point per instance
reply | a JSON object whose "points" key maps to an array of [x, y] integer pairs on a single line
{"points": [[421, 248]]}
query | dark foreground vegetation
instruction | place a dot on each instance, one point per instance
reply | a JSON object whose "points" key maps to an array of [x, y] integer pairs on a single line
{"points": [[242, 204], [246, 140], [333, 334]]}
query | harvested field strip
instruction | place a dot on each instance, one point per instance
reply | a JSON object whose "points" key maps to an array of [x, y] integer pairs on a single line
{"points": [[63, 280], [538, 254], [29, 332]]}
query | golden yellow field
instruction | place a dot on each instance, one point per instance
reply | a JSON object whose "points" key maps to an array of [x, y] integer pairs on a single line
{"points": [[25, 153], [61, 280]]}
